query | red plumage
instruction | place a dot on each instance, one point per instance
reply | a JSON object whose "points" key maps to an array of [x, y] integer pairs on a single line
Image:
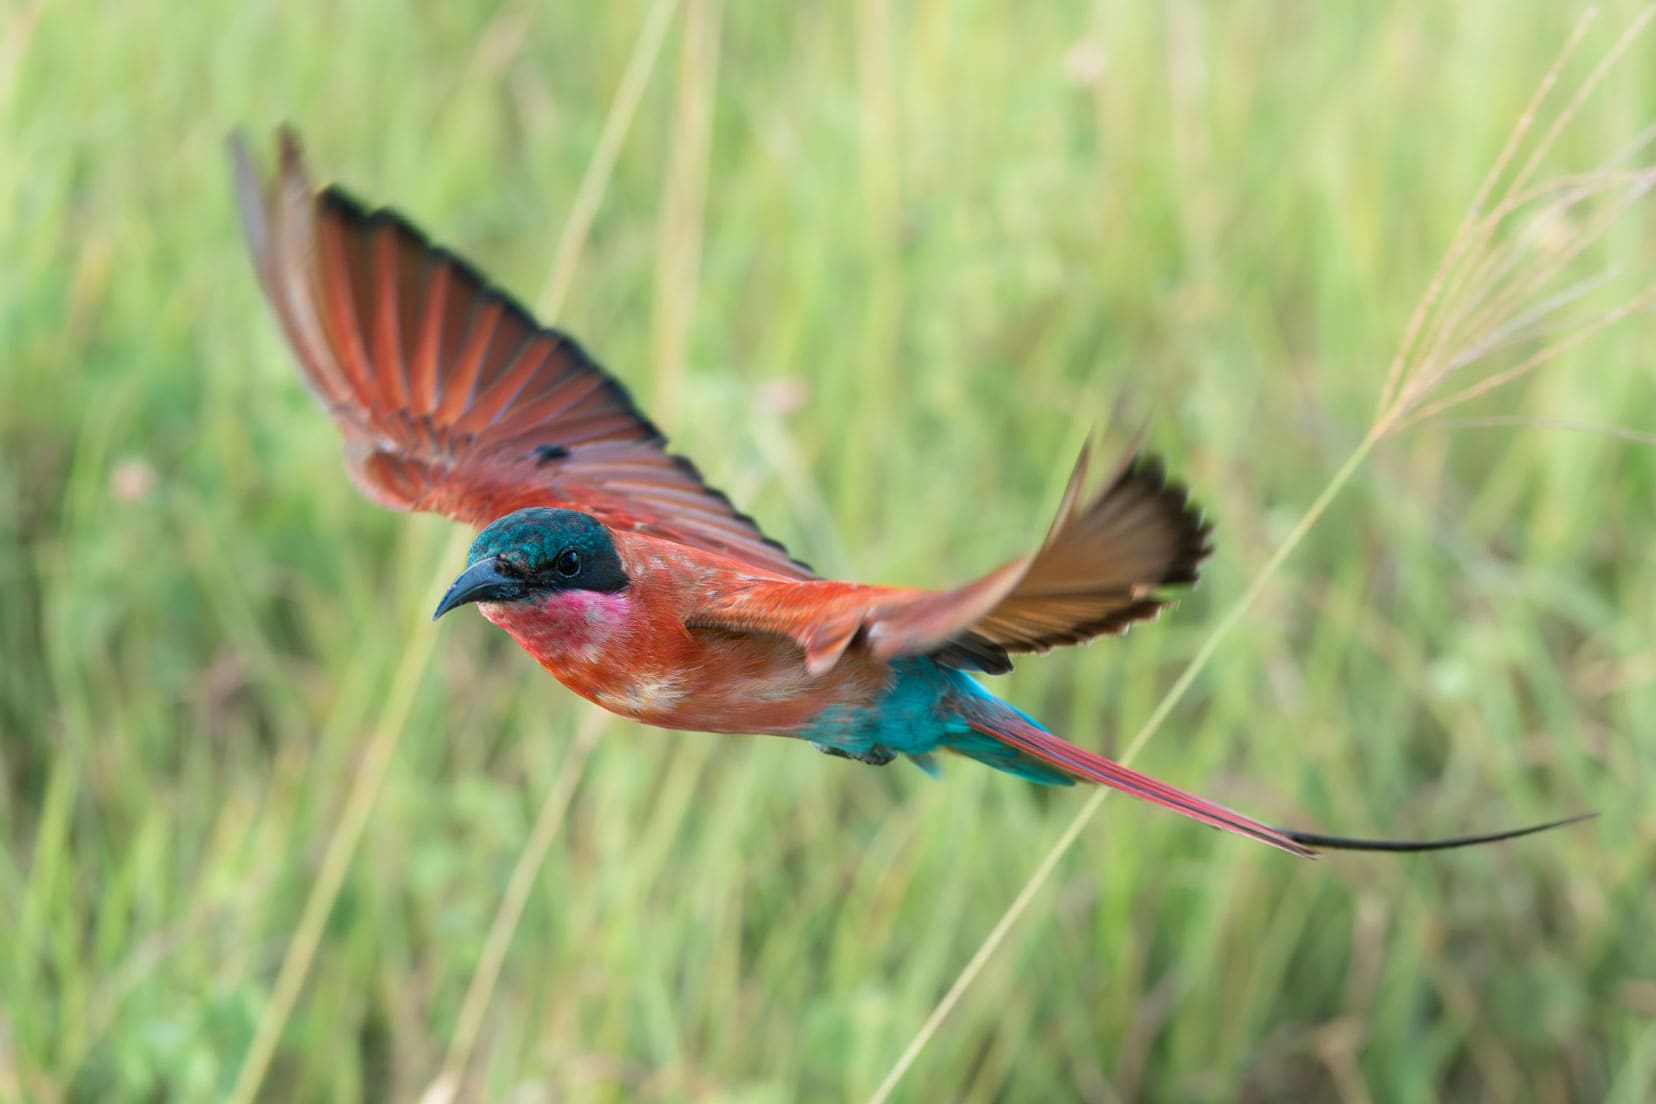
{"points": [[453, 399]]}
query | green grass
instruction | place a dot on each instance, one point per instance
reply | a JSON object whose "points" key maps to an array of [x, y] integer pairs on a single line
{"points": [[963, 234]]}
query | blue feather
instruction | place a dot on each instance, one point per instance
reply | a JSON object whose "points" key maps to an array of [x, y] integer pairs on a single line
{"points": [[922, 713]]}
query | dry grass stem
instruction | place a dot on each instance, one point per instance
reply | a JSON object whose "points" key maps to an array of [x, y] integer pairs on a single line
{"points": [[1463, 237], [1500, 277]]}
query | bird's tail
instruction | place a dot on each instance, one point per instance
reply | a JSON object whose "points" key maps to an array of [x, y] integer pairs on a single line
{"points": [[1009, 740], [1006, 738]]}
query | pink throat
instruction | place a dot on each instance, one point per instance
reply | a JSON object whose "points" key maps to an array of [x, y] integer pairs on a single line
{"points": [[568, 624]]}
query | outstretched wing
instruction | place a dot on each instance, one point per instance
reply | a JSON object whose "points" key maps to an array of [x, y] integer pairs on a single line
{"points": [[1103, 565], [451, 397]]}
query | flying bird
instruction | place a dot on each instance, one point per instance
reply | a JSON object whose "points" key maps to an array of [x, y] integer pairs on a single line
{"points": [[641, 588]]}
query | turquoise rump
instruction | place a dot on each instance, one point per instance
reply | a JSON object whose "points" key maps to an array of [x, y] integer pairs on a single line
{"points": [[927, 709]]}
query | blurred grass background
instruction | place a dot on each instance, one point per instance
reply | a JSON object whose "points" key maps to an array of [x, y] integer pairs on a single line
{"points": [[877, 268]]}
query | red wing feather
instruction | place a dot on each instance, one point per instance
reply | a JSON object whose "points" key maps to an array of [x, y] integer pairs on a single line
{"points": [[1102, 566], [451, 397]]}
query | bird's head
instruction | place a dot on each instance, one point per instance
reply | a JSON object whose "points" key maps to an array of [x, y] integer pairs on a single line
{"points": [[530, 554]]}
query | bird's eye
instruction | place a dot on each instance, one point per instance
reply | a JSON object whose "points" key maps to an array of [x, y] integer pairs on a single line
{"points": [[568, 563]]}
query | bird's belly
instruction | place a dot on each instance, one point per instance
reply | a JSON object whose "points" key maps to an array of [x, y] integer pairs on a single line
{"points": [[654, 671], [738, 685], [693, 701]]}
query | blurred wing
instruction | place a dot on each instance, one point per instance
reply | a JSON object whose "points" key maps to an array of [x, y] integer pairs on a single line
{"points": [[451, 397], [1101, 568]]}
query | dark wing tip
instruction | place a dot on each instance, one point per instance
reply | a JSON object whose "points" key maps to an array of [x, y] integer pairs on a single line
{"points": [[1146, 473]]}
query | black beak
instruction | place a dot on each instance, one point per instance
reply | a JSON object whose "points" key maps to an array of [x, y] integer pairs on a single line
{"points": [[483, 581]]}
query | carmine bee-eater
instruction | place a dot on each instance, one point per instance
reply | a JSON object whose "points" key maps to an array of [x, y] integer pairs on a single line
{"points": [[643, 589]]}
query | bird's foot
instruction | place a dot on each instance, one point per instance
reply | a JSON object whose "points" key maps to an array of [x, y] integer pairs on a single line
{"points": [[875, 756]]}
